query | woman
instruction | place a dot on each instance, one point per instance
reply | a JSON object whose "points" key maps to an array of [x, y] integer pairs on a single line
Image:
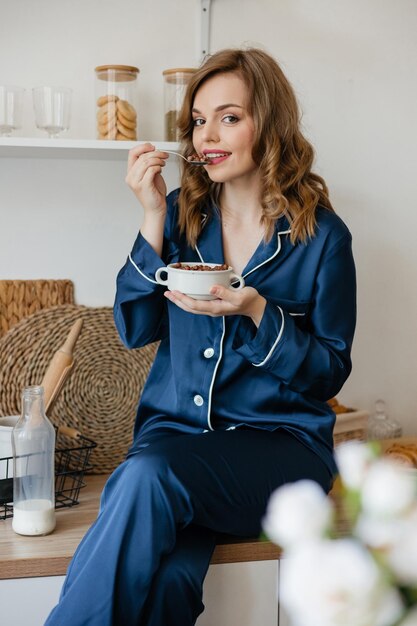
{"points": [[235, 403]]}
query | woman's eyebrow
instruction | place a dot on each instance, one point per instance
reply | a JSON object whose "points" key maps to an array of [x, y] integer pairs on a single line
{"points": [[221, 107]]}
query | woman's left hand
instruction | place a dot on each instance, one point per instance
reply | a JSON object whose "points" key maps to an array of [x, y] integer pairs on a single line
{"points": [[229, 301]]}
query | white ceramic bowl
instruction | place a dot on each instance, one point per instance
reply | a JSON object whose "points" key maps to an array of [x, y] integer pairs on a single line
{"points": [[6, 426], [197, 283]]}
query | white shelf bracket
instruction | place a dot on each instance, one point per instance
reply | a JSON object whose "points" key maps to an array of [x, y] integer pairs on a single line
{"points": [[204, 44]]}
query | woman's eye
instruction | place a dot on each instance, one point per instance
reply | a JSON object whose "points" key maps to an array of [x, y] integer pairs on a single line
{"points": [[230, 119], [198, 121]]}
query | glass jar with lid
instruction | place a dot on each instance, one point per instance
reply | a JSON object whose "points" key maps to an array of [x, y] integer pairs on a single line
{"points": [[116, 102], [381, 425], [175, 84]]}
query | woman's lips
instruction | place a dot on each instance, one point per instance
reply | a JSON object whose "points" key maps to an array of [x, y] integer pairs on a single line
{"points": [[216, 157]]}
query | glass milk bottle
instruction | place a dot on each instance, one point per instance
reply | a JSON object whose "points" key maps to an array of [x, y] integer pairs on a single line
{"points": [[33, 442], [175, 85]]}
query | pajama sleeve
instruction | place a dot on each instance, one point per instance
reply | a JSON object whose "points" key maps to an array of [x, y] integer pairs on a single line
{"points": [[140, 309], [314, 360]]}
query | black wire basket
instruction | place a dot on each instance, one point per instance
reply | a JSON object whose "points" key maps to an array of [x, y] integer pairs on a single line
{"points": [[72, 461]]}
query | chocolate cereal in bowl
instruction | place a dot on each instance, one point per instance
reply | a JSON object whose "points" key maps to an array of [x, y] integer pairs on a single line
{"points": [[196, 279]]}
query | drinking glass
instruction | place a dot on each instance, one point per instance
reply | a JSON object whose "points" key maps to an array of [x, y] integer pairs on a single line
{"points": [[52, 107], [11, 109]]}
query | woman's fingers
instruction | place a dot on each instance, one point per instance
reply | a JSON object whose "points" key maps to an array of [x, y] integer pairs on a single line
{"points": [[200, 307], [140, 168], [229, 301], [143, 153], [144, 171], [234, 296], [149, 175], [144, 178], [136, 152]]}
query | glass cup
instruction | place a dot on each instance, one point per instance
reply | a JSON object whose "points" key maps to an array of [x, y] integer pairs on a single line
{"points": [[52, 106], [11, 109]]}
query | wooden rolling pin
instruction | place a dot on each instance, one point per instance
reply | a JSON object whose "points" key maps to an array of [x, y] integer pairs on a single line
{"points": [[60, 367]]}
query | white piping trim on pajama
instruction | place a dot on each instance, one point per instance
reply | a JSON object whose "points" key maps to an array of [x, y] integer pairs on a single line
{"points": [[140, 272], [283, 232], [214, 374], [204, 217], [218, 361], [198, 252], [268, 356]]}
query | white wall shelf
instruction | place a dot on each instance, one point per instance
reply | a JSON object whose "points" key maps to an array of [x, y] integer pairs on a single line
{"points": [[30, 147]]}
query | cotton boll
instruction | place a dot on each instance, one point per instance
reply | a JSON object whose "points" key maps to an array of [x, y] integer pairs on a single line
{"points": [[402, 557], [353, 459], [388, 490], [376, 532], [326, 583], [297, 512]]}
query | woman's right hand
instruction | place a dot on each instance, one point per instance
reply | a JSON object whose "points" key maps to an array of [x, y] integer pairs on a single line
{"points": [[144, 167]]}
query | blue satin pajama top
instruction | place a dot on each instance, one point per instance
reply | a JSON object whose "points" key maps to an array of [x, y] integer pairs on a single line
{"points": [[222, 372]]}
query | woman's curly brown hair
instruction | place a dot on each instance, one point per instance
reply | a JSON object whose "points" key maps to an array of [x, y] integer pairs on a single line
{"points": [[282, 153]]}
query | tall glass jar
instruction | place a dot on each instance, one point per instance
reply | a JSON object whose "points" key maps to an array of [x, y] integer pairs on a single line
{"points": [[175, 84], [116, 102], [33, 443]]}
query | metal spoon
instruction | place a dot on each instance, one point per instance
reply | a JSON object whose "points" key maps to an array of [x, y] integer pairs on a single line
{"points": [[190, 162]]}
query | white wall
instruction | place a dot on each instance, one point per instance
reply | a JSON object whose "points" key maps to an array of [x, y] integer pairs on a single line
{"points": [[353, 64]]}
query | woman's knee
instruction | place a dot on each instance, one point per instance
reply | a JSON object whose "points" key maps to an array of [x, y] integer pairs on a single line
{"points": [[161, 462], [151, 471], [145, 465], [137, 471]]}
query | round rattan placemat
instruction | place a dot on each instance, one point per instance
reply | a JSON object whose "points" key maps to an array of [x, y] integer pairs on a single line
{"points": [[101, 394]]}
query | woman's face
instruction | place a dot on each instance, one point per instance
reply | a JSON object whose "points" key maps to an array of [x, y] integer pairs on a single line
{"points": [[223, 129]]}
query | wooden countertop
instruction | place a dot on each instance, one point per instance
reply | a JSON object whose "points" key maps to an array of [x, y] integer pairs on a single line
{"points": [[24, 557], [49, 556]]}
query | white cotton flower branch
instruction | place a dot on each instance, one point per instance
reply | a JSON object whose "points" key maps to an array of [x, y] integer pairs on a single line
{"points": [[296, 513], [329, 583], [354, 460], [366, 579], [388, 491]]}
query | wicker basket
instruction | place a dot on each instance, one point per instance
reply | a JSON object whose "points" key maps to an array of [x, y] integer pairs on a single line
{"points": [[351, 425], [72, 461], [100, 397], [20, 298]]}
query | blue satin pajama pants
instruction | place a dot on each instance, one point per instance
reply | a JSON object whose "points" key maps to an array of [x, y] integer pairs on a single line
{"points": [[143, 561]]}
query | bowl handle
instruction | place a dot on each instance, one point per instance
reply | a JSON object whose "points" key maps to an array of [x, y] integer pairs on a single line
{"points": [[158, 277], [234, 278]]}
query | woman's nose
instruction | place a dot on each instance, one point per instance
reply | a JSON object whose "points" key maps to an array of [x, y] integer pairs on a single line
{"points": [[210, 131]]}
